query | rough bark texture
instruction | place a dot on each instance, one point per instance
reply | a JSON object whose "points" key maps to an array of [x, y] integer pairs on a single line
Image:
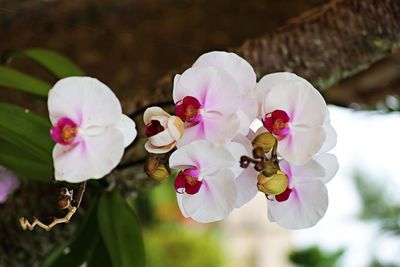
{"points": [[329, 43]]}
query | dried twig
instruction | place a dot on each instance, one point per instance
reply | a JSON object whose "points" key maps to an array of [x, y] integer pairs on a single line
{"points": [[66, 201]]}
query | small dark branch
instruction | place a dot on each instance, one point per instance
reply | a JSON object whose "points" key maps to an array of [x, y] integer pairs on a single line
{"points": [[77, 201]]}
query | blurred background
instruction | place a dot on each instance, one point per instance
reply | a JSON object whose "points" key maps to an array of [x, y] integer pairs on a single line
{"points": [[130, 45]]}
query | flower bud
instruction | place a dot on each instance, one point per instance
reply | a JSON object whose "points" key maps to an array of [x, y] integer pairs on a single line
{"points": [[264, 140], [258, 153], [273, 185], [270, 169], [162, 129], [156, 170]]}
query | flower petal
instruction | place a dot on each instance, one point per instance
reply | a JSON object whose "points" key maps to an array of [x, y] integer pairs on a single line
{"points": [[301, 144], [246, 186], [300, 100], [234, 65], [329, 163], [301, 173], [306, 205], [128, 128], [215, 128], [215, 90], [215, 199], [92, 158], [85, 100], [331, 138], [153, 111], [207, 157], [158, 150]]}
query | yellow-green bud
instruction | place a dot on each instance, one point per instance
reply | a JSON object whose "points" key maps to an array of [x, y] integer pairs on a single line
{"points": [[265, 140], [273, 185], [270, 169], [156, 170]]}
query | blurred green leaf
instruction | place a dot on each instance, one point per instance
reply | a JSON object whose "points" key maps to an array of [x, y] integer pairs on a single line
{"points": [[25, 143], [26, 166], [86, 246], [54, 62], [121, 231], [315, 257], [23, 82], [26, 130]]}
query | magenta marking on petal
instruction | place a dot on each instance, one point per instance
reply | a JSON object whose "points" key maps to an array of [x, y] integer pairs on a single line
{"points": [[188, 109], [187, 182], [284, 196], [180, 183], [276, 122], [152, 128], [64, 131]]}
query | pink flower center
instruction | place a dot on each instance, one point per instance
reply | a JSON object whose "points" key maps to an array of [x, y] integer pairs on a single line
{"points": [[277, 123], [152, 128], [188, 109], [64, 132], [187, 182]]}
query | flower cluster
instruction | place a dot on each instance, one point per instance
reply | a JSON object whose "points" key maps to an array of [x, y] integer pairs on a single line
{"points": [[222, 115]]}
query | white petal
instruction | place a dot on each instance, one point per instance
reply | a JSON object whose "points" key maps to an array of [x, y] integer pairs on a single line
{"points": [[128, 128], [153, 111], [246, 186], [306, 205], [206, 156], [331, 138], [329, 163], [217, 128], [161, 139], [301, 144], [158, 150], [301, 173], [93, 158], [215, 199], [216, 90], [300, 100], [85, 100], [237, 150], [234, 65]]}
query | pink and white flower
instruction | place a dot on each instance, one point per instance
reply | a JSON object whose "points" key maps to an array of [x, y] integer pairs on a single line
{"points": [[205, 186], [213, 98], [90, 130], [295, 113], [8, 183], [162, 130], [305, 200]]}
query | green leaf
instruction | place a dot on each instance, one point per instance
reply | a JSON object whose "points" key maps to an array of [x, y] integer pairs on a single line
{"points": [[121, 232], [100, 256], [23, 82], [27, 131], [55, 63], [26, 166], [84, 246]]}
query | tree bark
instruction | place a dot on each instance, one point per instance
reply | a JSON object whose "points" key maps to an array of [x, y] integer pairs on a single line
{"points": [[330, 43], [326, 44]]}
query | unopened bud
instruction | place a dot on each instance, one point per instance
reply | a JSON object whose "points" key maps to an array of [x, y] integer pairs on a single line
{"points": [[270, 169], [273, 185], [259, 166], [64, 203], [156, 170], [264, 140], [258, 153]]}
